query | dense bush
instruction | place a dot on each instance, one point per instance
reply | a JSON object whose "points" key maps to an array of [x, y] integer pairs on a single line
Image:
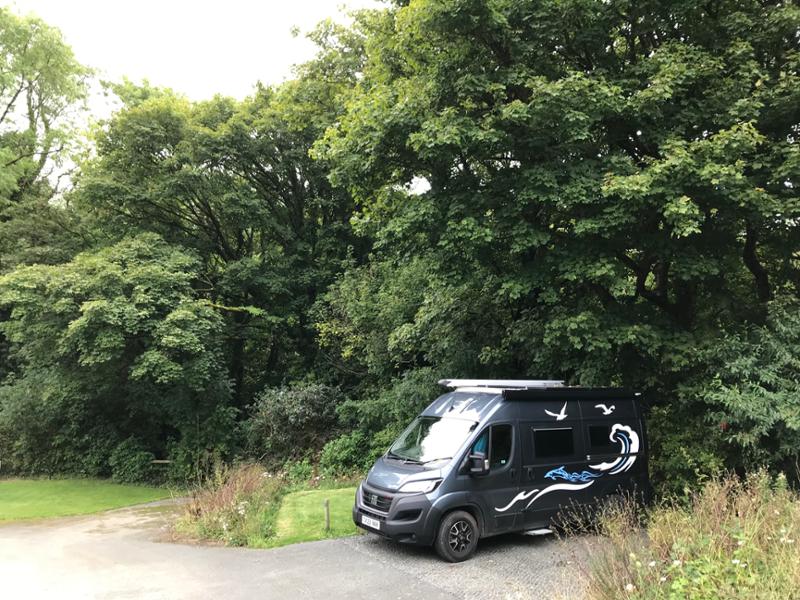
{"points": [[289, 422], [736, 539], [130, 462], [49, 427]]}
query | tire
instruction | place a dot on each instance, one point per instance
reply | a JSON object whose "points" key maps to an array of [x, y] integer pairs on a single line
{"points": [[457, 537]]}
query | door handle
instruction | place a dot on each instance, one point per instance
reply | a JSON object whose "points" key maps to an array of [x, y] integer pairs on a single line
{"points": [[530, 473], [513, 473]]}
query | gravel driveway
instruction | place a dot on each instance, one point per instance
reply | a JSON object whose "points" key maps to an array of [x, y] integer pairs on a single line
{"points": [[121, 554]]}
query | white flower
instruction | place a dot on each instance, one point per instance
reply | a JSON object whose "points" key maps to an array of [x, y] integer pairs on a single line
{"points": [[629, 587], [676, 563], [662, 579], [651, 564], [740, 543], [735, 561], [743, 565]]}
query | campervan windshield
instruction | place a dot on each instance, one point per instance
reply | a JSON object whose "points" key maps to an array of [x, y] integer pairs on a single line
{"points": [[430, 439]]}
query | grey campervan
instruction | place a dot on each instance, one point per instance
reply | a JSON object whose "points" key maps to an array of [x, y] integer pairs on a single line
{"points": [[496, 456]]}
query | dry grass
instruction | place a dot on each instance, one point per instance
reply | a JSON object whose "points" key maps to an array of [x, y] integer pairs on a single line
{"points": [[736, 539], [236, 506]]}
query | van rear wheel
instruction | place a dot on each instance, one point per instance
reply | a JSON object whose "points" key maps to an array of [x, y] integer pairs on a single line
{"points": [[457, 537]]}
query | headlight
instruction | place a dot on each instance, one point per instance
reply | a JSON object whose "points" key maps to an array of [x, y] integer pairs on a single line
{"points": [[421, 487]]}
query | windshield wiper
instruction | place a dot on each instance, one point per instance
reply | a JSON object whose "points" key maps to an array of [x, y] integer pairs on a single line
{"points": [[405, 459], [436, 459]]}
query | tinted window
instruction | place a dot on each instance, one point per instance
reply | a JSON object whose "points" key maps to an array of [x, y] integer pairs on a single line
{"points": [[501, 445], [549, 443], [599, 440]]}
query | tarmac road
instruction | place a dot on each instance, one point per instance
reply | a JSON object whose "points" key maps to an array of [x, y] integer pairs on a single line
{"points": [[123, 554]]}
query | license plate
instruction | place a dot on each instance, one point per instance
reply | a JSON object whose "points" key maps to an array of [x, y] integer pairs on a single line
{"points": [[369, 522]]}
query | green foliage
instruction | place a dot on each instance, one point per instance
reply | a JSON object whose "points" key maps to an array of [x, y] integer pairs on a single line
{"points": [[750, 390], [106, 339], [600, 192], [41, 84], [346, 454], [130, 462], [603, 193], [682, 459], [298, 471], [290, 422]]}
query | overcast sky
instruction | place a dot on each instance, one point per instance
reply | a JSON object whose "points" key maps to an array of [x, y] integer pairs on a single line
{"points": [[196, 47]]}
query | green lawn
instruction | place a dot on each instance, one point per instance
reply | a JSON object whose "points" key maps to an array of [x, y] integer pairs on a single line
{"points": [[301, 517], [36, 498]]}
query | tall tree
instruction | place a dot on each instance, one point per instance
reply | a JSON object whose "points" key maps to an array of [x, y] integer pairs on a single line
{"points": [[234, 181], [611, 185], [41, 86]]}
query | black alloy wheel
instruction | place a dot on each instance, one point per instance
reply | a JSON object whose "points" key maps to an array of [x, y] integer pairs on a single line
{"points": [[457, 537]]}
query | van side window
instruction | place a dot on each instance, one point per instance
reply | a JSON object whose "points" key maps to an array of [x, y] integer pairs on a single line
{"points": [[501, 445], [481, 445], [599, 439], [550, 443]]}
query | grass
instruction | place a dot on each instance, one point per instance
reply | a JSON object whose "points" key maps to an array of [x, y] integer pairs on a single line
{"points": [[735, 539], [247, 506], [39, 498], [301, 517]]}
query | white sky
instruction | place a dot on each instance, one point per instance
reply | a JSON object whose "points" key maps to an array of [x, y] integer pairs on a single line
{"points": [[196, 47]]}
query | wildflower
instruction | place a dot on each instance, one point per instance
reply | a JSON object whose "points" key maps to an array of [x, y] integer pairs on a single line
{"points": [[743, 565], [638, 564], [651, 564], [629, 587], [740, 543], [632, 556], [676, 563], [735, 561], [662, 579]]}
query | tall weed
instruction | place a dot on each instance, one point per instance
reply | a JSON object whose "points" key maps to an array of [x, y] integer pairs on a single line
{"points": [[735, 539]]}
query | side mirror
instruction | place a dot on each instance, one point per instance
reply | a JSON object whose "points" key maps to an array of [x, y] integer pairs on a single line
{"points": [[478, 464]]}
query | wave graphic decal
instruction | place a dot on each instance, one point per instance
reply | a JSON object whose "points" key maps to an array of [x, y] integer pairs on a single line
{"points": [[629, 447], [517, 498], [573, 487], [562, 473]]}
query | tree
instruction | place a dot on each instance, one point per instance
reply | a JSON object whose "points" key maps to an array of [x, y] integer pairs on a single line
{"points": [[41, 86], [611, 185], [234, 182], [113, 345]]}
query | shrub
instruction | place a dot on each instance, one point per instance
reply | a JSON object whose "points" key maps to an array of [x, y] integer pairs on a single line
{"points": [[346, 454], [236, 505], [288, 422], [737, 539], [130, 462], [298, 471]]}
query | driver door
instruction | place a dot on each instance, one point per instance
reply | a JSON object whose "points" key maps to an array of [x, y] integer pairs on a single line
{"points": [[496, 489]]}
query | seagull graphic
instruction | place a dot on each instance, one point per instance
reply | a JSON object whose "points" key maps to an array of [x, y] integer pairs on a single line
{"points": [[607, 410], [560, 416]]}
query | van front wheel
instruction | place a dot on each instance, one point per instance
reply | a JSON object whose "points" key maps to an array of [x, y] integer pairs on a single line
{"points": [[457, 537]]}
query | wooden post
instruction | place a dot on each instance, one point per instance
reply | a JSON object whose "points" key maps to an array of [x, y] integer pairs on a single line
{"points": [[327, 506]]}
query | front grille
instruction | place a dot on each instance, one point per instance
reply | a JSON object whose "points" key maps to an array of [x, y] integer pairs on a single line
{"points": [[376, 500]]}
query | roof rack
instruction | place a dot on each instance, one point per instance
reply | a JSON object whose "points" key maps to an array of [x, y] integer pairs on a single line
{"points": [[506, 384]]}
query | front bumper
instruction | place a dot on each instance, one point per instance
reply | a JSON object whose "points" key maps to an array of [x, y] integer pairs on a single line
{"points": [[404, 518]]}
